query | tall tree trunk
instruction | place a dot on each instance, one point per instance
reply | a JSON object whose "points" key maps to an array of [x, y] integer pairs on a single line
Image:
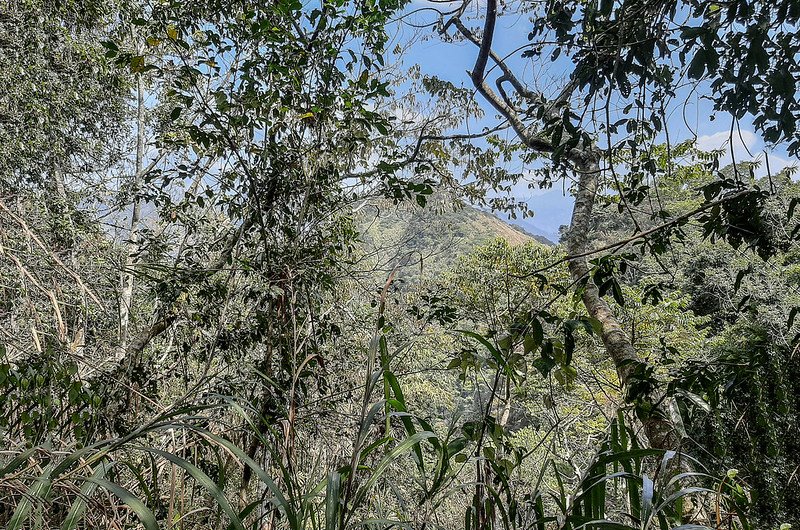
{"points": [[132, 245], [618, 345]]}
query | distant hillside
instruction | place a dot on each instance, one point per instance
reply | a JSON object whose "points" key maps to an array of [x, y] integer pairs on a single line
{"points": [[428, 240]]}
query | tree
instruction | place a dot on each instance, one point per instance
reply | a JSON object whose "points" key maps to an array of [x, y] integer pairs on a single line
{"points": [[188, 336], [616, 61], [251, 126], [733, 389]]}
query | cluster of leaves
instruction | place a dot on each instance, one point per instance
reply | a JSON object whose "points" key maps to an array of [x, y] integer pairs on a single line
{"points": [[60, 103], [747, 51], [46, 397], [750, 389]]}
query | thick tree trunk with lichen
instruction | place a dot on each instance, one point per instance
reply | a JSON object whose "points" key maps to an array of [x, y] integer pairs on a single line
{"points": [[618, 345]]}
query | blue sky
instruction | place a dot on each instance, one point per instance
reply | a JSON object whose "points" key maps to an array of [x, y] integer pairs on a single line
{"points": [[689, 116]]}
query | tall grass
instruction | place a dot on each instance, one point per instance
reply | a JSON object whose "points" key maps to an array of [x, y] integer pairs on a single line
{"points": [[147, 480]]}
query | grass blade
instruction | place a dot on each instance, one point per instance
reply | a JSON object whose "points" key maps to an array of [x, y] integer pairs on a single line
{"points": [[205, 481], [131, 501], [39, 490], [78, 508]]}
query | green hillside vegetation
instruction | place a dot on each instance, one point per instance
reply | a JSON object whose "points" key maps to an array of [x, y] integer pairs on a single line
{"points": [[427, 241]]}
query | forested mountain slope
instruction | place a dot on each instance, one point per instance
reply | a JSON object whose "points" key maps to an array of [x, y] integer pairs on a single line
{"points": [[426, 241]]}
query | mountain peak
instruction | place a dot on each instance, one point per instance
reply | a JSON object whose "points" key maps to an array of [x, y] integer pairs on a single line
{"points": [[429, 240]]}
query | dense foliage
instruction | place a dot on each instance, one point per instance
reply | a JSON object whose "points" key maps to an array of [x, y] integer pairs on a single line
{"points": [[242, 284]]}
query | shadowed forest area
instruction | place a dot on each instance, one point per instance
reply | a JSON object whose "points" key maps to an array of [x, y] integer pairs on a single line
{"points": [[274, 265]]}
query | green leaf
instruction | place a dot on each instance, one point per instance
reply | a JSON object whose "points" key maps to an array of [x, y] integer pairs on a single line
{"points": [[137, 64], [616, 292], [647, 499], [529, 344], [792, 205], [408, 424], [131, 501], [685, 492], [596, 325], [379, 470], [490, 347], [740, 276], [599, 524], [544, 365], [78, 508], [279, 500], [17, 461], [205, 481], [37, 492], [698, 65], [332, 496], [694, 398]]}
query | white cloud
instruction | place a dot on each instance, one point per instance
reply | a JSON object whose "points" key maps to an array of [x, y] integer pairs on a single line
{"points": [[776, 164], [743, 142], [746, 147]]}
